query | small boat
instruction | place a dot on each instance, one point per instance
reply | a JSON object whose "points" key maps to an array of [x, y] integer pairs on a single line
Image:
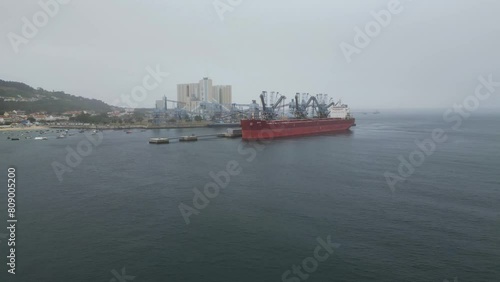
{"points": [[41, 138], [61, 136], [128, 132], [14, 139]]}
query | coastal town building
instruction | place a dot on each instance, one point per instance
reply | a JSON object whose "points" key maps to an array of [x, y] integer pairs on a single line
{"points": [[190, 95]]}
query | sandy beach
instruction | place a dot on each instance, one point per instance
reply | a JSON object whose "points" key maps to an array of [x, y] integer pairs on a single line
{"points": [[31, 128]]}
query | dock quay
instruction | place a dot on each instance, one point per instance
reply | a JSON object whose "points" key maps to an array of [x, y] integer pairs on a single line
{"points": [[188, 138], [159, 141], [230, 133]]}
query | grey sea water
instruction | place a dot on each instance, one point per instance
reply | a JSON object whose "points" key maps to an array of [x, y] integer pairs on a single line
{"points": [[116, 216]]}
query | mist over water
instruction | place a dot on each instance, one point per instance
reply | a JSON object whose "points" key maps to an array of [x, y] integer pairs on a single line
{"points": [[406, 195], [119, 207]]}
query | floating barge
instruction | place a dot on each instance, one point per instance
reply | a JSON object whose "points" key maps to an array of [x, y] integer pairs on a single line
{"points": [[231, 133], [191, 138], [159, 141]]}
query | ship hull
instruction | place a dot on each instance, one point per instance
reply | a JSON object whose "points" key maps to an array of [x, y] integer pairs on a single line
{"points": [[270, 129]]}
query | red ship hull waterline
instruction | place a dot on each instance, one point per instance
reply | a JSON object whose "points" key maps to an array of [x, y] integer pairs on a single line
{"points": [[270, 129]]}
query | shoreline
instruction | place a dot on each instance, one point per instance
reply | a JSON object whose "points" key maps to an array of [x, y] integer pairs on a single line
{"points": [[38, 128], [125, 127], [122, 127], [129, 127], [32, 128]]}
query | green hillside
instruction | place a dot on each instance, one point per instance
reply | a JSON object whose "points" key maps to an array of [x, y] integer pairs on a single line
{"points": [[19, 96]]}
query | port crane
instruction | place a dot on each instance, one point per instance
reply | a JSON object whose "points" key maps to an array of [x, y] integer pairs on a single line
{"points": [[269, 112], [316, 103]]}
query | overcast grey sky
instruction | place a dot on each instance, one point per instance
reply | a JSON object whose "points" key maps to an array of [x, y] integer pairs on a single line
{"points": [[429, 55]]}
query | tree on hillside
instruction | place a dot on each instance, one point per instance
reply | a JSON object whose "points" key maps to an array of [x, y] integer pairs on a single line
{"points": [[84, 118]]}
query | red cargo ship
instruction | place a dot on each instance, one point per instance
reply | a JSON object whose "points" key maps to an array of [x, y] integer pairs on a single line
{"points": [[268, 127]]}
